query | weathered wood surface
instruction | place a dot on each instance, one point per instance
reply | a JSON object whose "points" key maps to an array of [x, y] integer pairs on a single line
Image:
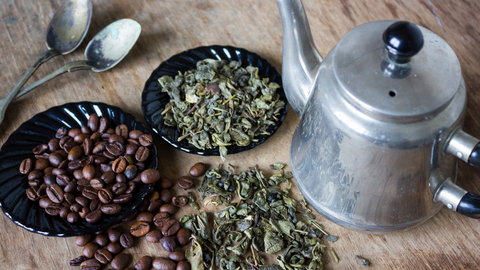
{"points": [[447, 241]]}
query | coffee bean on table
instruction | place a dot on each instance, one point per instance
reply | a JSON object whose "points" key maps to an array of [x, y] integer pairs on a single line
{"points": [[26, 166], [176, 256], [163, 264], [82, 240], [40, 164], [166, 195], [150, 176], [126, 240], [164, 182], [168, 208], [153, 236], [120, 261], [170, 227], [183, 265], [145, 263], [183, 236], [93, 216], [185, 182], [89, 249], [139, 229], [124, 198], [91, 264], [73, 217], [102, 240], [103, 256], [114, 248], [160, 219], [77, 261], [198, 169], [111, 209], [145, 217], [114, 234], [168, 243]]}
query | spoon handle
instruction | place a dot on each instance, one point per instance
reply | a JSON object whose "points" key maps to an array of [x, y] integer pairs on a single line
{"points": [[69, 67], [42, 58]]}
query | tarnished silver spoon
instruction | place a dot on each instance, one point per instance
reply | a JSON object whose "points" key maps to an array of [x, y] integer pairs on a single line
{"points": [[65, 32], [103, 52]]}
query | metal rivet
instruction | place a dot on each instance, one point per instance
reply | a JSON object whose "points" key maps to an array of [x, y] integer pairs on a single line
{"points": [[459, 155], [450, 206]]}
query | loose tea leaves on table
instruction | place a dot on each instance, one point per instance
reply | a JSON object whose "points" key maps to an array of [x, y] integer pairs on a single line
{"points": [[264, 220], [220, 104]]}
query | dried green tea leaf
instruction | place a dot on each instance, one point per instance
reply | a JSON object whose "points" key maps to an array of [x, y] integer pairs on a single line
{"points": [[365, 262]]}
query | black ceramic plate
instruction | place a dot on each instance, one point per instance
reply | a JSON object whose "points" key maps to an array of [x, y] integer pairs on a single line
{"points": [[38, 130], [154, 101]]}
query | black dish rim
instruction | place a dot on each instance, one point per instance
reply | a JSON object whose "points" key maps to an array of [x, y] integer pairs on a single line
{"points": [[34, 220], [154, 101]]}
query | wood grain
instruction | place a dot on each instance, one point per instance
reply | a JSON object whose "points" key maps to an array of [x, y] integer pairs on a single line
{"points": [[447, 241]]}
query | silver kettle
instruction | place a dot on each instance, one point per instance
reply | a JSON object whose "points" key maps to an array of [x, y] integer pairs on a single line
{"points": [[380, 133]]}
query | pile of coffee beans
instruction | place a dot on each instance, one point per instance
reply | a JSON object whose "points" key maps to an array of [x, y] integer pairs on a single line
{"points": [[89, 171]]}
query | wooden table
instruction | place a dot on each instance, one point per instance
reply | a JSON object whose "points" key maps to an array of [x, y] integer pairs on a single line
{"points": [[447, 241]]}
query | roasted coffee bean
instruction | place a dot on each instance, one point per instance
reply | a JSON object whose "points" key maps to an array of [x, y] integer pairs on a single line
{"points": [[170, 227], [73, 217], [168, 243], [34, 183], [53, 209], [131, 188], [120, 261], [62, 180], [44, 156], [132, 141], [42, 190], [139, 229], [55, 159], [168, 208], [84, 212], [50, 179], [89, 249], [198, 169], [69, 197], [126, 240], [61, 132], [135, 134], [150, 176], [102, 240], [40, 164], [93, 122], [62, 153], [108, 177], [153, 236], [153, 196], [99, 147], [114, 138], [183, 265], [103, 125], [75, 153], [176, 256], [64, 212], [130, 172], [179, 201], [129, 159], [124, 198], [145, 217], [119, 165], [122, 131], [69, 145], [163, 264], [108, 155], [160, 219], [131, 149], [95, 205], [89, 193], [97, 184], [183, 236], [75, 165], [77, 261], [114, 234], [185, 182], [87, 146], [111, 209], [40, 149], [57, 172], [142, 154], [70, 187], [44, 202], [74, 132], [130, 216], [164, 182], [55, 193], [115, 148], [103, 256], [143, 206], [145, 263], [140, 166], [64, 140], [166, 195], [78, 174], [114, 248], [145, 140], [86, 130], [95, 137], [35, 175], [104, 137], [47, 171], [105, 195], [154, 206], [82, 201], [121, 178], [88, 172], [75, 207], [105, 168], [31, 194], [91, 264], [80, 138], [93, 216]]}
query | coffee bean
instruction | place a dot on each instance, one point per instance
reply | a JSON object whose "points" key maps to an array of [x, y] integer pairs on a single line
{"points": [[119, 165], [145, 263], [55, 193], [95, 205], [163, 264], [183, 265], [34, 183], [154, 206], [153, 236], [74, 132], [69, 145], [97, 184], [88, 160], [111, 209], [103, 256], [164, 182], [86, 130], [75, 207], [139, 229], [89, 249], [105, 168], [140, 166], [84, 212], [40, 165], [145, 140], [31, 194], [120, 261], [166, 195], [170, 227], [185, 182], [143, 206], [115, 148], [99, 147], [35, 175], [131, 149], [114, 234], [40, 149], [89, 193], [183, 236], [64, 212], [126, 240], [179, 201], [74, 165], [93, 216], [124, 198], [150, 176], [80, 138], [73, 217], [103, 125], [168, 243], [121, 178], [108, 177], [114, 248], [82, 201], [105, 195], [88, 172], [168, 208], [57, 172], [75, 153], [77, 261], [130, 172], [132, 141], [142, 154], [176, 256], [61, 132], [134, 134], [131, 188], [95, 137], [55, 159], [122, 131], [93, 122], [102, 240], [70, 187], [44, 202], [138, 178], [160, 219], [116, 138], [62, 180], [198, 169], [53, 209], [91, 264], [145, 217], [63, 141]]}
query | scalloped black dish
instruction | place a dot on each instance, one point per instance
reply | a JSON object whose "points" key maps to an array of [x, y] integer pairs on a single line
{"points": [[38, 130], [154, 101]]}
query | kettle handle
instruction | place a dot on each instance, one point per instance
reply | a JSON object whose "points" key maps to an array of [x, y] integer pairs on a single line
{"points": [[469, 205]]}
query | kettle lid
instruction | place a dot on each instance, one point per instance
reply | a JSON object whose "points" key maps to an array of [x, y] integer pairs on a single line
{"points": [[396, 71]]}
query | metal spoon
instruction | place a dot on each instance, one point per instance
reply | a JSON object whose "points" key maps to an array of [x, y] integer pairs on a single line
{"points": [[66, 31], [103, 52]]}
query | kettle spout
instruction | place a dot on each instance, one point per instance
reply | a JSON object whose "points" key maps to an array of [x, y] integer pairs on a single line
{"points": [[301, 59]]}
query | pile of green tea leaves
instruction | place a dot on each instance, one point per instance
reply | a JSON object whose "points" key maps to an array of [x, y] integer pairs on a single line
{"points": [[220, 103], [264, 220]]}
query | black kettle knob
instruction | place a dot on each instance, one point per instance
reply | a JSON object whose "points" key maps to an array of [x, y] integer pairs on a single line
{"points": [[403, 40]]}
